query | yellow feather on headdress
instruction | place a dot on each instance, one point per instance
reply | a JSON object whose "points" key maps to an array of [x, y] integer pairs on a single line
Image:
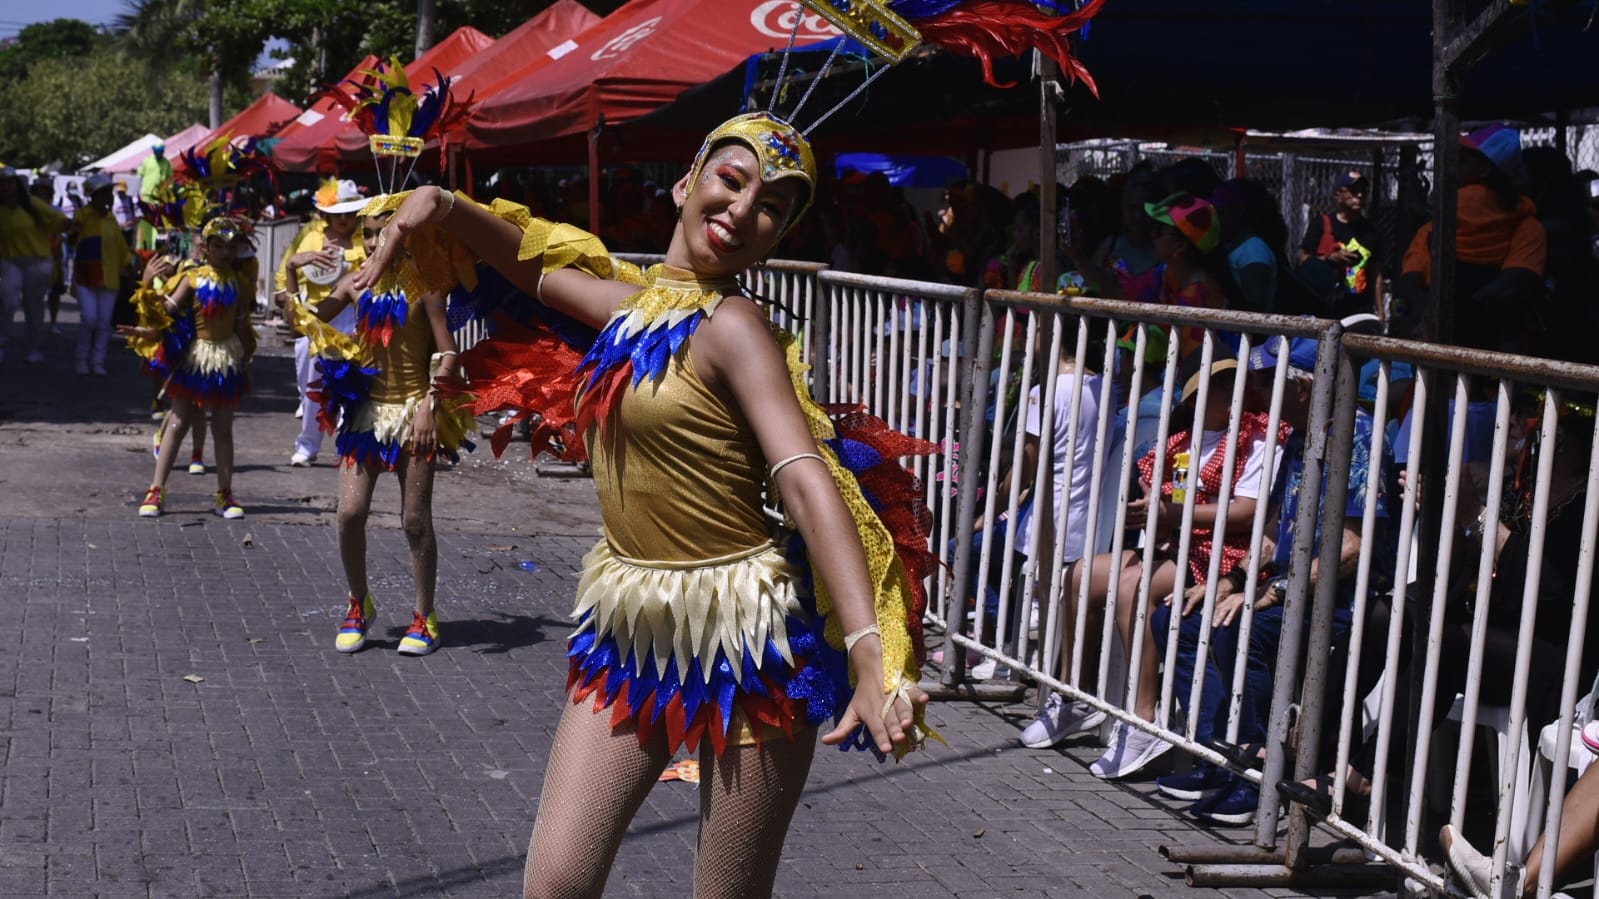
{"points": [[395, 103]]}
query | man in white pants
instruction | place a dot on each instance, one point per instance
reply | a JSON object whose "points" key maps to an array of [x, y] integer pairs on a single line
{"points": [[322, 251]]}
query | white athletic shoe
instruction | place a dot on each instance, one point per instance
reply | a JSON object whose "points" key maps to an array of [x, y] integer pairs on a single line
{"points": [[1059, 720], [1130, 750]]}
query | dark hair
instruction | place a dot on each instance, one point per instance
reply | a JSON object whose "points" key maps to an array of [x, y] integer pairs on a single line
{"points": [[1191, 175]]}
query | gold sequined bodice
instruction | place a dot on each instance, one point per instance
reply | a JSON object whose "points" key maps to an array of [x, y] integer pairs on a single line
{"points": [[403, 364], [678, 472]]}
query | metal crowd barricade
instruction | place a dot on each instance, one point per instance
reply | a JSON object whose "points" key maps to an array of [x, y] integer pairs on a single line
{"points": [[896, 348], [1022, 335], [958, 367], [272, 240], [1405, 678]]}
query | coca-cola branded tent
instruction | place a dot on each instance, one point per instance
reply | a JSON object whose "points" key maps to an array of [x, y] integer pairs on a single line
{"points": [[640, 58]]}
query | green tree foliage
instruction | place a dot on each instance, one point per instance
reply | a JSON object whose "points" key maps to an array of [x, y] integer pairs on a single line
{"points": [[327, 37], [76, 110], [57, 39]]}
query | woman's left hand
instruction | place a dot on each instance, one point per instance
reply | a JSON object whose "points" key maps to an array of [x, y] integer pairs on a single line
{"points": [[888, 727], [424, 436]]}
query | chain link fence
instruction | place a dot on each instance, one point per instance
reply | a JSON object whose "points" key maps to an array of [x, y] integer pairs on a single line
{"points": [[1303, 182]]}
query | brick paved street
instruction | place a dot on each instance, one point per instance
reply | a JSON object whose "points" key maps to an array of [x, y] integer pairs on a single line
{"points": [[174, 721]]}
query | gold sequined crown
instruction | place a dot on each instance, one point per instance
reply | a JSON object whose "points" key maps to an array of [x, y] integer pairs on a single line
{"points": [[783, 153]]}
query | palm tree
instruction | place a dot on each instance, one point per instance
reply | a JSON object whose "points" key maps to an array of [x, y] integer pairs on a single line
{"points": [[152, 30]]}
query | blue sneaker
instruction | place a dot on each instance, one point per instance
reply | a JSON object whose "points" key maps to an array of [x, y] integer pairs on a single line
{"points": [[1234, 807], [1202, 782]]}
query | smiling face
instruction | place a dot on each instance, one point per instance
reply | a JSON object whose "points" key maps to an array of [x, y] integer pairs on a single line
{"points": [[731, 218]]}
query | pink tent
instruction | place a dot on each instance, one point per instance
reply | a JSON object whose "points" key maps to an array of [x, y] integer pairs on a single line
{"points": [[175, 144]]}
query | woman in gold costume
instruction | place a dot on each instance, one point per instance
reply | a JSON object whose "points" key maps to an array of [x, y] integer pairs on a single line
{"points": [[698, 623]]}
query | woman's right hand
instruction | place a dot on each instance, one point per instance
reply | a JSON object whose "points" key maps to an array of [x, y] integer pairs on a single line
{"points": [[328, 257], [418, 209], [159, 267]]}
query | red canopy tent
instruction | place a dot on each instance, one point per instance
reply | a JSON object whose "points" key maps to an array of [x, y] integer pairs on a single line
{"points": [[452, 56], [296, 149], [315, 145], [263, 118], [637, 59], [534, 44]]}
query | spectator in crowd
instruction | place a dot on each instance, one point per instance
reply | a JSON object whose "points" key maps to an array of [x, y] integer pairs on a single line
{"points": [[1590, 188], [1075, 410], [1251, 262], [1187, 233], [317, 257], [1191, 175], [1565, 328], [1340, 256], [101, 260], [1579, 837], [1132, 749], [26, 226], [43, 189], [155, 171], [1501, 251], [1123, 266], [1510, 530], [1221, 797]]}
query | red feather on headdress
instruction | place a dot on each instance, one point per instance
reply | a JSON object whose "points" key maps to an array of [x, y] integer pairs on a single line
{"points": [[997, 28]]}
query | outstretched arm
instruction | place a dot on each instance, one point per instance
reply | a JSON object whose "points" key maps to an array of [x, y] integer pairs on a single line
{"points": [[497, 242], [736, 354]]}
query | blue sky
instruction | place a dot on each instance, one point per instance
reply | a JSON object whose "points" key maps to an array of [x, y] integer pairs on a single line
{"points": [[16, 13]]}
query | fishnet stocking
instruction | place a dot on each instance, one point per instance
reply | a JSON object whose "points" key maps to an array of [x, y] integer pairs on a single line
{"points": [[355, 501], [416, 517], [595, 782], [598, 778], [747, 798]]}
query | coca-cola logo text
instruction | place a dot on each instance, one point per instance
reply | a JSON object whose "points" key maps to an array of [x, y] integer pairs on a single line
{"points": [[775, 18], [625, 41]]}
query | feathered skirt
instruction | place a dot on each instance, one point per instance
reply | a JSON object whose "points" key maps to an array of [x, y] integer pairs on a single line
{"points": [[727, 648]]}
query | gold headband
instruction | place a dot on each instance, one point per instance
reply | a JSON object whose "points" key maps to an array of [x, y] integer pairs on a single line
{"points": [[783, 153]]}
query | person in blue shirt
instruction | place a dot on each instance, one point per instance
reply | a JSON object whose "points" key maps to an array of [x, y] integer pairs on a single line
{"points": [[1221, 797]]}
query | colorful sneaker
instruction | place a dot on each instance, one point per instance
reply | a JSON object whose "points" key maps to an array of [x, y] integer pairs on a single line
{"points": [[352, 633], [227, 506], [422, 637], [196, 466], [153, 499]]}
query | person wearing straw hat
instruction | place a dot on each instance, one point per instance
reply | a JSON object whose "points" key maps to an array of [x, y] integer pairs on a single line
{"points": [[315, 260]]}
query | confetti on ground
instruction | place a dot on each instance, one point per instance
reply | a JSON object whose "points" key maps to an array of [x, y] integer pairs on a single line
{"points": [[688, 771]]}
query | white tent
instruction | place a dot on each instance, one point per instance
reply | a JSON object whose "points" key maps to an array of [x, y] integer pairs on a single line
{"points": [[135, 150], [176, 144]]}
